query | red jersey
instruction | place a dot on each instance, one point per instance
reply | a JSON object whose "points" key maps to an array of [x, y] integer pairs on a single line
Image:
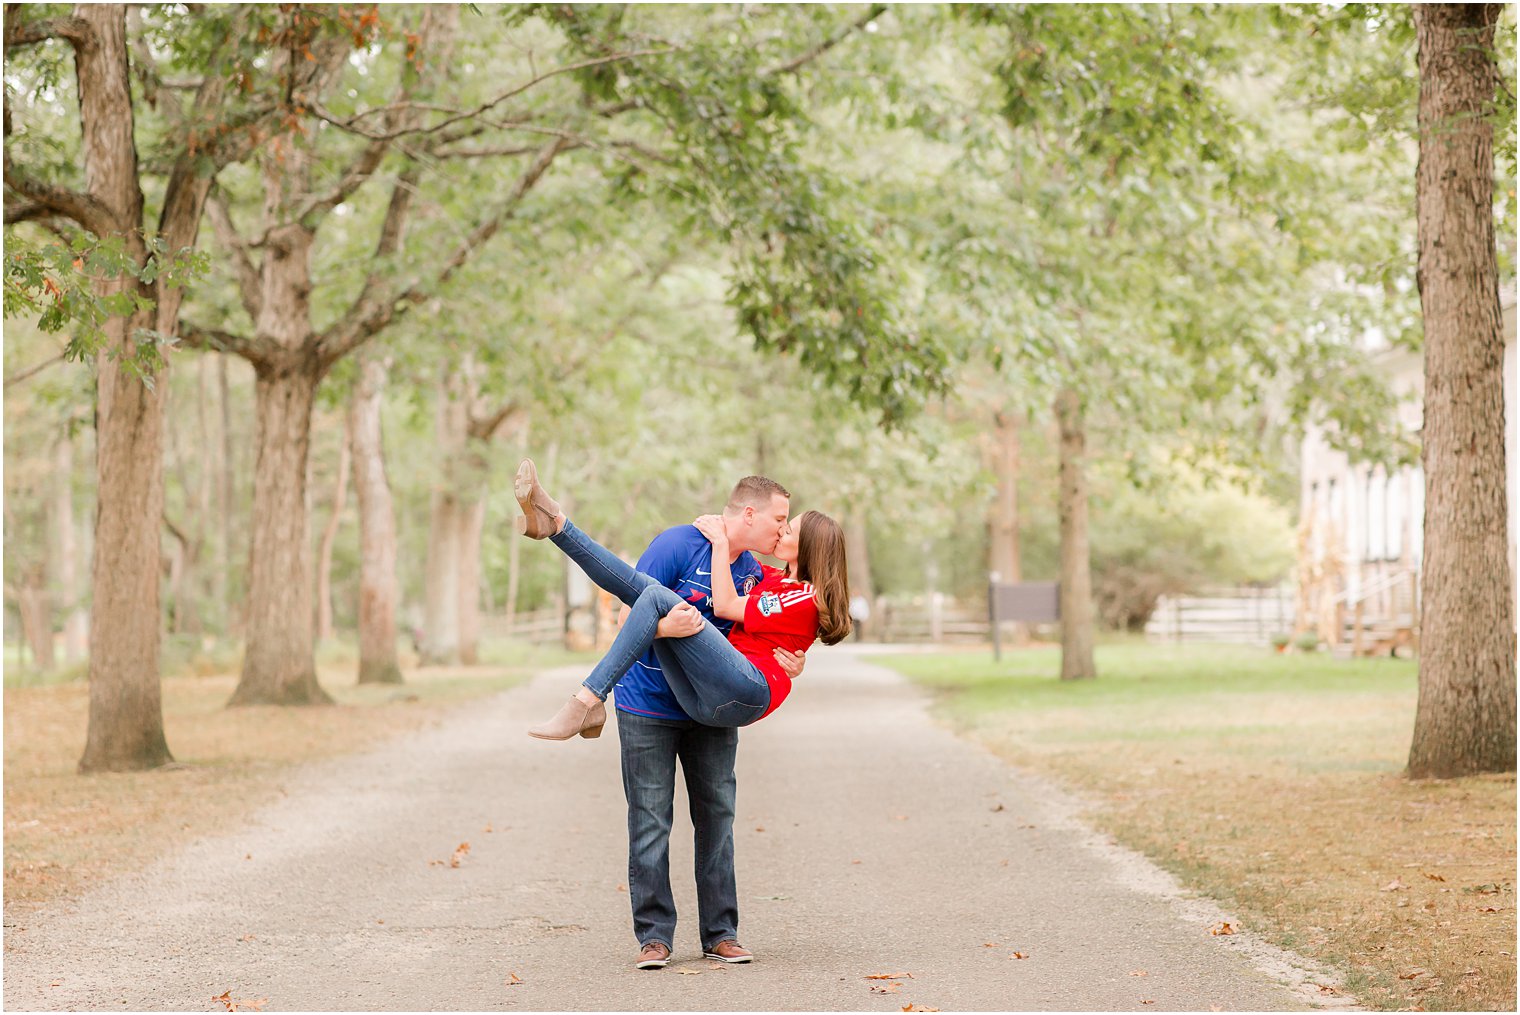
{"points": [[781, 612]]}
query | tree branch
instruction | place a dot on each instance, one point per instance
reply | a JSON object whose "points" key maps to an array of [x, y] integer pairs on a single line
{"points": [[19, 32], [808, 56], [82, 208], [32, 371], [228, 236], [352, 123], [375, 309], [193, 336]]}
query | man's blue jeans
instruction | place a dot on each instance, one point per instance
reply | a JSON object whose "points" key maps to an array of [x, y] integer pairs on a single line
{"points": [[711, 680], [650, 749]]}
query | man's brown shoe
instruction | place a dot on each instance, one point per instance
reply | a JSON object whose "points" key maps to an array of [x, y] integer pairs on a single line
{"points": [[654, 956], [574, 716], [541, 513], [728, 951]]}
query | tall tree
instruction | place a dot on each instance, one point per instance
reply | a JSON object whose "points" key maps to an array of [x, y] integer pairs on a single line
{"points": [[1465, 722], [378, 592], [125, 718]]}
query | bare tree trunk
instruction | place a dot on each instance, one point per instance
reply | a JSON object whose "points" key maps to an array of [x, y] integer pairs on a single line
{"points": [[223, 579], [1076, 575], [65, 551], [279, 664], [37, 617], [377, 531], [329, 536], [1465, 721], [1003, 517], [471, 519], [857, 551], [440, 636], [126, 725]]}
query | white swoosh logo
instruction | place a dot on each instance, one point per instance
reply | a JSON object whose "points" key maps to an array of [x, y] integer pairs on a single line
{"points": [[704, 572]]}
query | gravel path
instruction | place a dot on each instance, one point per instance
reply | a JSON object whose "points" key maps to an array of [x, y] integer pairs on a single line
{"points": [[870, 840]]}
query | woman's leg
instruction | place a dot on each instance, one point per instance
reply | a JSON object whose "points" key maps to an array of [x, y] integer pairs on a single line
{"points": [[602, 566], [712, 680], [728, 690], [637, 635]]}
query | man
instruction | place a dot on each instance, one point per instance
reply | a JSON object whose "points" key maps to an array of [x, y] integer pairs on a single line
{"points": [[654, 733]]}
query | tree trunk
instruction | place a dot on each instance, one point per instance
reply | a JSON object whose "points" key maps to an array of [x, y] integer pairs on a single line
{"points": [[440, 636], [857, 552], [377, 531], [1003, 517], [223, 578], [65, 550], [1076, 578], [126, 724], [279, 664], [1465, 720], [471, 519], [37, 617], [329, 536]]}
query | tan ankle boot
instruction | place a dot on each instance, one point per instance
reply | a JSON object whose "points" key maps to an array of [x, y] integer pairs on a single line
{"points": [[541, 512], [575, 716]]}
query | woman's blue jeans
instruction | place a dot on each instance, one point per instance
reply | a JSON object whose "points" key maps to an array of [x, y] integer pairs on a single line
{"points": [[711, 680]]}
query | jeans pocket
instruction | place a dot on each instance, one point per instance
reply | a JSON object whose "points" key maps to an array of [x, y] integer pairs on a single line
{"points": [[737, 713]]}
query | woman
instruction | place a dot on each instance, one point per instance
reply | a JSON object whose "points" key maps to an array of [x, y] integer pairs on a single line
{"points": [[718, 681]]}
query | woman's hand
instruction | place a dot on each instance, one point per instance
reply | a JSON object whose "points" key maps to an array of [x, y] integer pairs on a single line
{"points": [[711, 526]]}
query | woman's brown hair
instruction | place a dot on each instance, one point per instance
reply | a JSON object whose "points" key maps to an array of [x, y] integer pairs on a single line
{"points": [[821, 561]]}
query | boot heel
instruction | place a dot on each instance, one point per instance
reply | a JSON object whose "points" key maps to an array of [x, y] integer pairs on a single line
{"points": [[591, 732]]}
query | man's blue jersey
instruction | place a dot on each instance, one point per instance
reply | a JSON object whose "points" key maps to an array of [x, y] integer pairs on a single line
{"points": [[680, 559]]}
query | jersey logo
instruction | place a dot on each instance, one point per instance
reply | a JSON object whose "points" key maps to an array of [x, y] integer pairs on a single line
{"points": [[748, 586], [769, 603], [702, 572]]}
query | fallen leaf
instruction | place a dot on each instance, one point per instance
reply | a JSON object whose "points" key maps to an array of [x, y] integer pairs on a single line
{"points": [[899, 817], [990, 944], [1018, 955], [459, 854], [231, 1003], [854, 861], [1411, 974], [248, 937], [622, 888], [1487, 909], [1147, 1002], [1138, 972], [1221, 929], [1488, 889], [917, 1007], [689, 972], [759, 828], [889, 976], [1433, 877], [886, 988], [1327, 989], [379, 921], [513, 979], [1394, 886], [488, 829], [997, 808], [56, 983]]}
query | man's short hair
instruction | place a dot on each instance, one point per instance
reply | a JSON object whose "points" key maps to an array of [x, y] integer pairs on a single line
{"points": [[755, 492]]}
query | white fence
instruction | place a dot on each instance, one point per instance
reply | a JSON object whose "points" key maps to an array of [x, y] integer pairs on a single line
{"points": [[1242, 615]]}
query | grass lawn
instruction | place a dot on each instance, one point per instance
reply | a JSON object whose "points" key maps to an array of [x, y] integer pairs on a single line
{"points": [[64, 831], [1272, 783]]}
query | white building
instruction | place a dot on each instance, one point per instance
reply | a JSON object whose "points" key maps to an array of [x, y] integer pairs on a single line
{"points": [[1361, 528]]}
